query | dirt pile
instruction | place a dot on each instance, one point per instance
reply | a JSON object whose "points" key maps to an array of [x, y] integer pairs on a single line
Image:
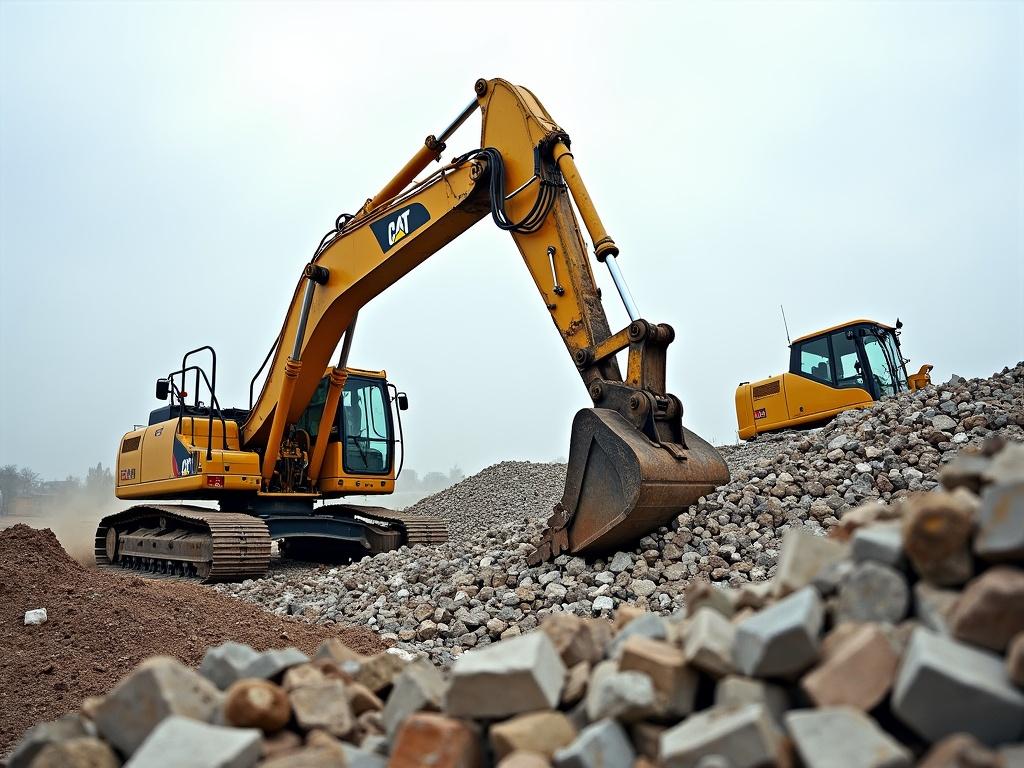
{"points": [[101, 624]]}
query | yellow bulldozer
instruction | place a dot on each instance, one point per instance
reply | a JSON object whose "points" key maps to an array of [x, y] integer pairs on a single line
{"points": [[318, 432], [830, 371]]}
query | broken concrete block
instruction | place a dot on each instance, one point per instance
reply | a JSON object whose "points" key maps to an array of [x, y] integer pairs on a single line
{"points": [[881, 542], [599, 745], [253, 703], [734, 690], [782, 639], [362, 699], [379, 672], [575, 684], [435, 740], [645, 625], [419, 686], [83, 752], [1015, 660], [179, 741], [540, 732], [743, 736], [35, 617], [803, 556], [965, 471], [223, 664], [990, 610], [703, 593], [1000, 534], [936, 535], [675, 683], [945, 687], [303, 674], [960, 750], [526, 669], [1007, 466], [934, 605], [156, 689], [646, 738], [873, 592], [335, 650], [843, 737], [324, 705], [270, 664], [708, 641], [577, 639], [857, 673], [625, 696], [625, 613], [521, 759], [360, 757], [39, 736]]}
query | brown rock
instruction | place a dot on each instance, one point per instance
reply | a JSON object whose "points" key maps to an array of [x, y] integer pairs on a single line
{"points": [[335, 650], [437, 741], [303, 674], [362, 699], [937, 530], [675, 683], [371, 723], [307, 757], [858, 671], [577, 639], [89, 706], [961, 750], [520, 759], [867, 513], [1015, 660], [83, 752], [625, 613], [575, 684], [378, 672], [280, 743], [252, 703], [325, 706], [991, 609], [541, 732], [701, 593], [646, 737]]}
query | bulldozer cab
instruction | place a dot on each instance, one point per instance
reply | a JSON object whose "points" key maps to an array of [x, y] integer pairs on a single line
{"points": [[862, 354]]}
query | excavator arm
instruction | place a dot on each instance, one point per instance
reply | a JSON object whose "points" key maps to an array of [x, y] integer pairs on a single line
{"points": [[632, 466]]}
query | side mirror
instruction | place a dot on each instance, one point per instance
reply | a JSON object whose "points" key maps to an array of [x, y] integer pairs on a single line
{"points": [[163, 388], [403, 401], [899, 323]]}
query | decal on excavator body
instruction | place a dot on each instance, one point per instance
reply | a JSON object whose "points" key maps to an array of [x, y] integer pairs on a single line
{"points": [[394, 228]]}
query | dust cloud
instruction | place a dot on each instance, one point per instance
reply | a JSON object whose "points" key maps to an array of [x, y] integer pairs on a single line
{"points": [[72, 519]]}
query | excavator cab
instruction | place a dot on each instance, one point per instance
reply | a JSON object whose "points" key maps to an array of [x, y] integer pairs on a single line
{"points": [[846, 366]]}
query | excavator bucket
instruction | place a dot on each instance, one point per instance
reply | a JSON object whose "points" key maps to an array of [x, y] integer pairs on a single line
{"points": [[620, 486]]}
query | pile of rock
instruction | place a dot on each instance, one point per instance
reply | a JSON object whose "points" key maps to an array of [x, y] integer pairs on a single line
{"points": [[898, 636], [479, 588]]}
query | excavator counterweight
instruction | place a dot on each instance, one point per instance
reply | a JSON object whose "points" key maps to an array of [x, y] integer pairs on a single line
{"points": [[319, 431]]}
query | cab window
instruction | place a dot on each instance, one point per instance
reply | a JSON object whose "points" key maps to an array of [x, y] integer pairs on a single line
{"points": [[847, 363], [366, 423], [814, 360], [879, 366]]}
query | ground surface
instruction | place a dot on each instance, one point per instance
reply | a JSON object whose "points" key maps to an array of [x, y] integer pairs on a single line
{"points": [[102, 624]]}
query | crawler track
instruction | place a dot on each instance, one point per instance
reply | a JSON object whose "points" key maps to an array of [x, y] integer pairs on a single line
{"points": [[419, 529]]}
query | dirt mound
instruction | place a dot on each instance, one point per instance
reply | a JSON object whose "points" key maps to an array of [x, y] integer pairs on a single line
{"points": [[102, 624]]}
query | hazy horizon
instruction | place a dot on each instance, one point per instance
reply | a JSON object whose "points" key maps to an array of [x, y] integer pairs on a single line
{"points": [[166, 170]]}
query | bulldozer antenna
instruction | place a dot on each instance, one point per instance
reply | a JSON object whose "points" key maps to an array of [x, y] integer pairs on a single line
{"points": [[785, 324]]}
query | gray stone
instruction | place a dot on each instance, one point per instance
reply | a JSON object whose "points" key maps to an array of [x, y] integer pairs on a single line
{"points": [[882, 542], [708, 641], [39, 736], [156, 689], [323, 705], [1001, 523], [646, 625], [873, 592], [1007, 466], [600, 745], [420, 686], [736, 690], [745, 736], [621, 561], [843, 737], [223, 664], [626, 696], [945, 687], [943, 423], [270, 664], [603, 603], [179, 741], [356, 757], [803, 556], [526, 670], [933, 606], [782, 639]]}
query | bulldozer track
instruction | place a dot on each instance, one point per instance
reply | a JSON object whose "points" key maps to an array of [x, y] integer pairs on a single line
{"points": [[419, 529], [233, 545]]}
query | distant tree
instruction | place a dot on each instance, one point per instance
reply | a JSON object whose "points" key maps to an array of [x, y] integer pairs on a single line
{"points": [[434, 481], [410, 480], [15, 482], [455, 475], [99, 482]]}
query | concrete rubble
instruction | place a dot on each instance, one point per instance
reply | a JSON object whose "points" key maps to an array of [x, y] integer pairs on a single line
{"points": [[866, 650]]}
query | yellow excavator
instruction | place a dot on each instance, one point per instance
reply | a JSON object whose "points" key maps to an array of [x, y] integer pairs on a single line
{"points": [[830, 371], [319, 432]]}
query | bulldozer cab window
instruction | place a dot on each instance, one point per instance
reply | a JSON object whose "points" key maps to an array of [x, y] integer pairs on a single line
{"points": [[814, 360], [881, 367], [310, 418], [847, 361], [366, 425]]}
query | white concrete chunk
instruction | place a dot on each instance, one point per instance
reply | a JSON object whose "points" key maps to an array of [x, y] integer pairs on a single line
{"points": [[843, 737], [180, 741], [224, 664], [744, 736], [782, 639], [600, 745]]}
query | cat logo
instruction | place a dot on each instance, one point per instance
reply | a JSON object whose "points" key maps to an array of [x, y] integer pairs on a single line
{"points": [[394, 228]]}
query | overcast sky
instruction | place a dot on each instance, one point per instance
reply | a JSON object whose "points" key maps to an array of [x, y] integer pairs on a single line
{"points": [[168, 168]]}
